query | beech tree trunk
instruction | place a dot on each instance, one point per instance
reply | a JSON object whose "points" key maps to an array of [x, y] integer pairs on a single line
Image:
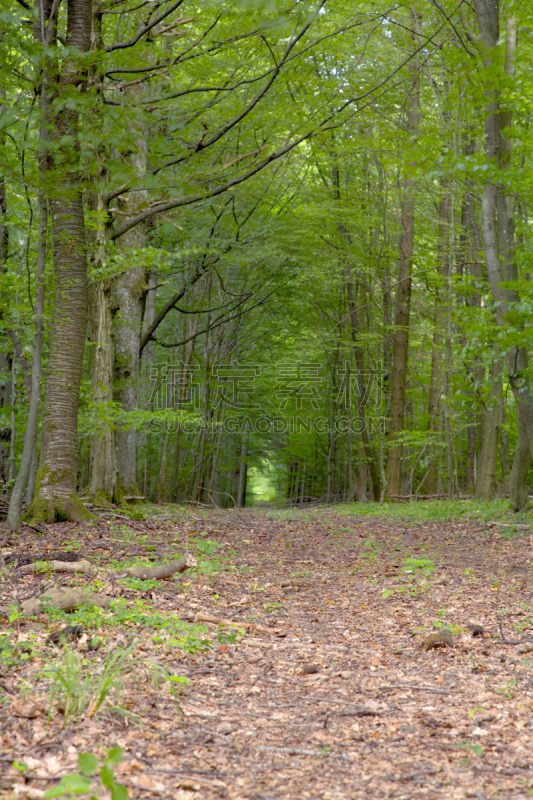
{"points": [[522, 458], [403, 301], [56, 496], [127, 303], [5, 358], [103, 468], [25, 481], [435, 387], [487, 473], [496, 219], [102, 485]]}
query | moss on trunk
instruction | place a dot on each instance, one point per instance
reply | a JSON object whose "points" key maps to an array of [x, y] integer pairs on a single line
{"points": [[69, 509]]}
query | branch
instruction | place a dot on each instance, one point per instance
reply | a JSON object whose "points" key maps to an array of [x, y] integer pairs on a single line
{"points": [[164, 311], [220, 321], [22, 359], [123, 45], [325, 125]]}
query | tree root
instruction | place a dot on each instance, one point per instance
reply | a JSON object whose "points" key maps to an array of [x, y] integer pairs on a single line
{"points": [[70, 509]]}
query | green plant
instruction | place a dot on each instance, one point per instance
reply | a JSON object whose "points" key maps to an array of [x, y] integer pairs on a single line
{"points": [[224, 638], [12, 654], [273, 608], [79, 686], [424, 566], [474, 711], [507, 690], [476, 749], [92, 776]]}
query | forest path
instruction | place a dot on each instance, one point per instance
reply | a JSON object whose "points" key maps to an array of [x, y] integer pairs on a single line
{"points": [[328, 694]]}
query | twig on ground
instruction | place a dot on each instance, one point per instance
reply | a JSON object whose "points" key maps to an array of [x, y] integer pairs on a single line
{"points": [[391, 687]]}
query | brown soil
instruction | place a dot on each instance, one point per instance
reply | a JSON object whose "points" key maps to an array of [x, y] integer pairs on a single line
{"points": [[329, 694]]}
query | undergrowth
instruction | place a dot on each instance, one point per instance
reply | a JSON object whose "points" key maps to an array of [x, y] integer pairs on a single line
{"points": [[421, 511]]}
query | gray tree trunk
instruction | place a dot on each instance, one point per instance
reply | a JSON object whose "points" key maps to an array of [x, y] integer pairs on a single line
{"points": [[243, 468], [127, 304], [56, 495], [487, 474], [403, 298], [5, 358], [522, 458], [487, 12]]}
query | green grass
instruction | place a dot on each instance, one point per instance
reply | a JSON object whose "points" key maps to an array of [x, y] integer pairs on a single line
{"points": [[422, 511]]}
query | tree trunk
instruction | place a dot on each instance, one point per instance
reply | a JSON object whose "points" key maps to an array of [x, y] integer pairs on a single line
{"points": [[56, 496], [487, 474], [496, 213], [26, 474], [5, 358], [127, 302], [435, 387], [520, 469], [403, 300], [243, 469], [103, 469]]}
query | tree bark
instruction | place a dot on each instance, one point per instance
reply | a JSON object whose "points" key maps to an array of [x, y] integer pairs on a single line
{"points": [[487, 474], [495, 214], [243, 469], [127, 302], [56, 496], [435, 387], [25, 482], [102, 485], [103, 468], [5, 357], [522, 458]]}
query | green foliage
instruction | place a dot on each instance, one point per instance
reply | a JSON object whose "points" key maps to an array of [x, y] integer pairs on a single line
{"points": [[474, 749], [422, 566], [93, 777], [80, 685]]}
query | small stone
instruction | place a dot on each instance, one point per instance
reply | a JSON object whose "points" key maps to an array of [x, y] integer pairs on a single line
{"points": [[310, 669], [525, 647]]}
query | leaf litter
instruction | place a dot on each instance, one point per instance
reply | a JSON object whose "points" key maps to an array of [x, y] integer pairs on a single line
{"points": [[290, 664]]}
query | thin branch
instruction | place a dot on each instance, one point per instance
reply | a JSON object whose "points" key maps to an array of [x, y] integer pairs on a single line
{"points": [[143, 31], [19, 352]]}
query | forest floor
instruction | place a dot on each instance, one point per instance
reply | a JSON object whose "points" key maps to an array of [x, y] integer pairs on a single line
{"points": [[315, 686]]}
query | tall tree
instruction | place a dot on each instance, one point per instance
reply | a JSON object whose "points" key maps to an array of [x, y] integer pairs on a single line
{"points": [[496, 222], [56, 490], [403, 294]]}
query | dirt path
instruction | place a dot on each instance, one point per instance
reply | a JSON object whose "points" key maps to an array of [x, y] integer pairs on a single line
{"points": [[327, 695]]}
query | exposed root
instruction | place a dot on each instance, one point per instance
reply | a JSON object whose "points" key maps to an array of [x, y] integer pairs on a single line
{"points": [[50, 510]]}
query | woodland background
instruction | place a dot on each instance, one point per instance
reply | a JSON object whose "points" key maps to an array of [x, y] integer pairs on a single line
{"points": [[264, 251]]}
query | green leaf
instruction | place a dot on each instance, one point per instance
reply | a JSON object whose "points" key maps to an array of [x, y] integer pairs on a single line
{"points": [[115, 756], [69, 784], [88, 763], [119, 792], [55, 791], [107, 777]]}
